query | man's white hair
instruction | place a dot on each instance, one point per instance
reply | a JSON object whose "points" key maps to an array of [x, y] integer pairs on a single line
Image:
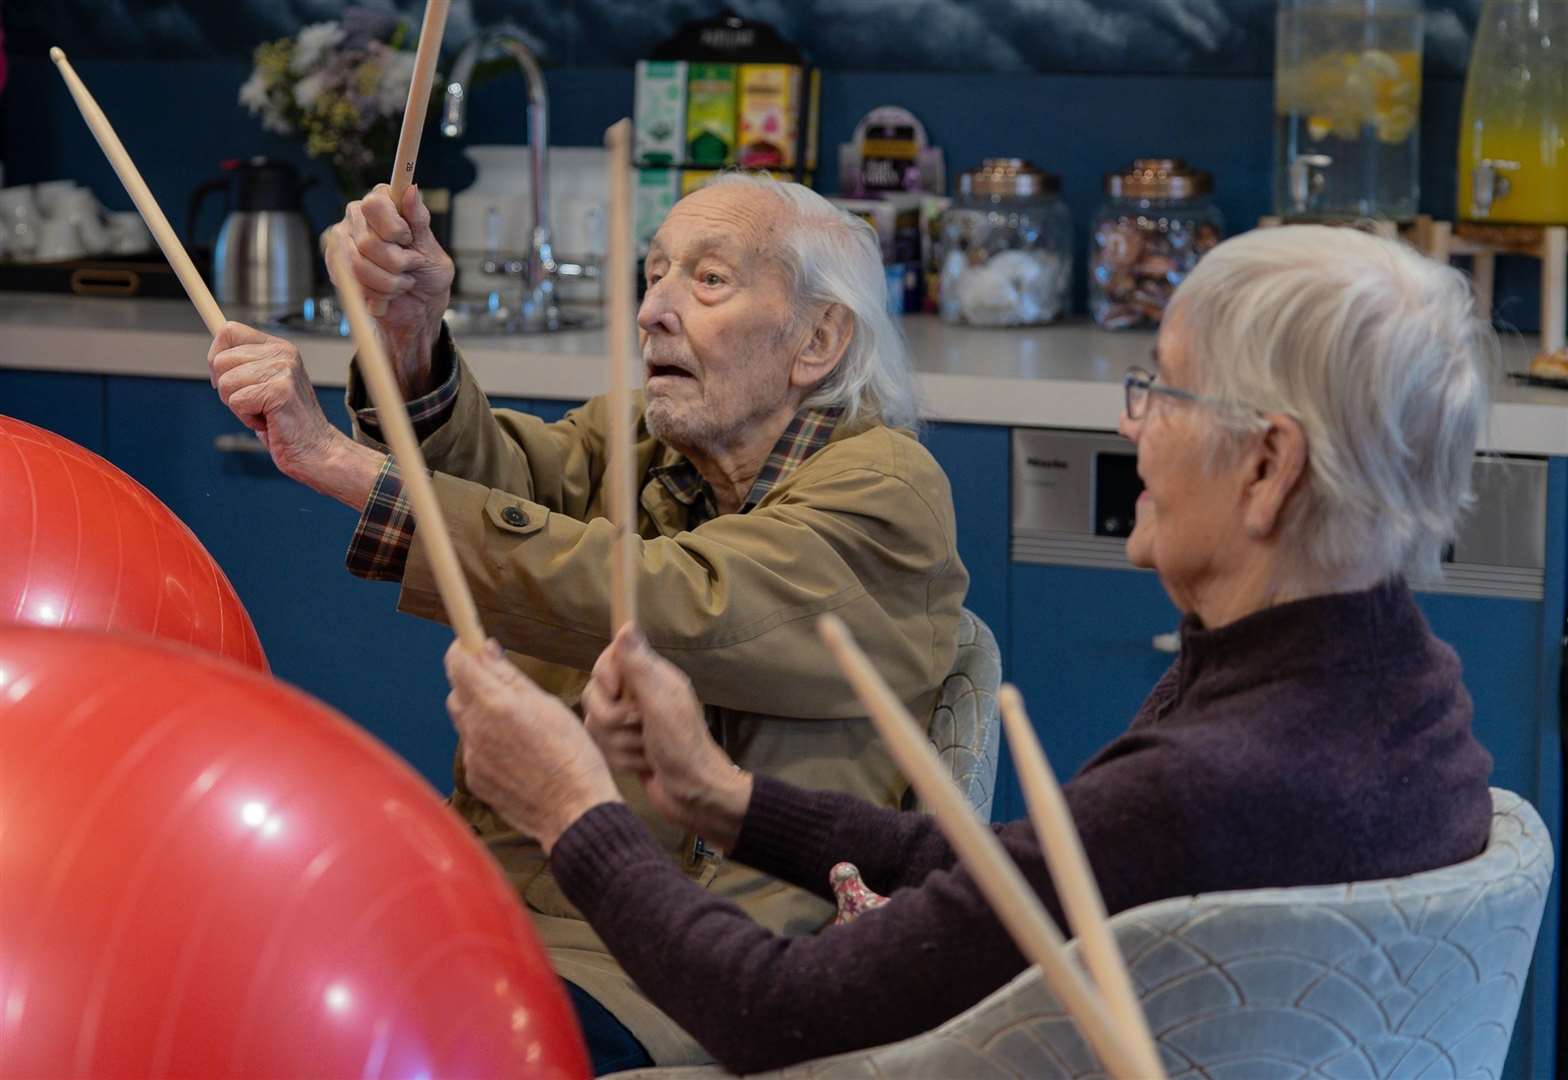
{"points": [[834, 257], [1381, 356]]}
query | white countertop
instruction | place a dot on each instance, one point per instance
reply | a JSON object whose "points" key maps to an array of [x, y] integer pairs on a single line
{"points": [[1062, 376]]}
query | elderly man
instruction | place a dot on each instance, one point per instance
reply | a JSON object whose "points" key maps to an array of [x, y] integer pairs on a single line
{"points": [[778, 481], [1305, 441]]}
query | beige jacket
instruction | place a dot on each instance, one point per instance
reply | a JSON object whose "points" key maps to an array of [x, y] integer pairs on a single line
{"points": [[863, 528]]}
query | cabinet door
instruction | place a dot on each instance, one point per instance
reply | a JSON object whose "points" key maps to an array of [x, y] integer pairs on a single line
{"points": [[977, 461], [282, 546], [66, 403], [1084, 658]]}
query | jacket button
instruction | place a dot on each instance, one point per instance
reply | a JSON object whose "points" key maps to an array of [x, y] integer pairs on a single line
{"points": [[512, 515]]}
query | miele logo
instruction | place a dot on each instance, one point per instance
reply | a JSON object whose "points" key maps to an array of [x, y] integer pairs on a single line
{"points": [[1047, 463]]}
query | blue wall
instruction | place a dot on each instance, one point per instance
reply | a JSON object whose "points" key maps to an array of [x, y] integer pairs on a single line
{"points": [[179, 118]]}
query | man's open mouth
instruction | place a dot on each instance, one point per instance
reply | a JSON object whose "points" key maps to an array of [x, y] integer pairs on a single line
{"points": [[656, 370]]}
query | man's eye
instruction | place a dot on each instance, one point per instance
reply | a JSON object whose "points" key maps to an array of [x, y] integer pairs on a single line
{"points": [[654, 279], [712, 280]]}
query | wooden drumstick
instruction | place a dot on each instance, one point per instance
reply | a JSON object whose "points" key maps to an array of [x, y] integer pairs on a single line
{"points": [[978, 848], [399, 433], [430, 32], [1080, 896], [136, 187], [619, 316]]}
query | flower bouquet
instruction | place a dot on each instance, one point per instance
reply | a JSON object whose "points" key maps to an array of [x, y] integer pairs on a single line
{"points": [[341, 87]]}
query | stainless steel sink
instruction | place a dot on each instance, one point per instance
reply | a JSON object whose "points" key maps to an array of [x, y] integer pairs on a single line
{"points": [[493, 316]]}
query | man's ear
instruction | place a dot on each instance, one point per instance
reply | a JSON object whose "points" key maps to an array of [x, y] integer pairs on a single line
{"points": [[1277, 469], [824, 348]]}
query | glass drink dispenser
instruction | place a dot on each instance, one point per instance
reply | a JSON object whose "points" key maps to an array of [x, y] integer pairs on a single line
{"points": [[1513, 138], [1347, 109]]}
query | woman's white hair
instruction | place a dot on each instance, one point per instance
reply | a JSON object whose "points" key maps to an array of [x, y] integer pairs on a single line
{"points": [[1378, 352], [834, 257]]}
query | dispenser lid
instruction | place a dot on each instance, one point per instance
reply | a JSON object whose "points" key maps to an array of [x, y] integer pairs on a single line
{"points": [[1158, 178]]}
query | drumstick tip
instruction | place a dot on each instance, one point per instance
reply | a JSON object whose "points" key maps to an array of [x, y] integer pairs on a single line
{"points": [[57, 54]]}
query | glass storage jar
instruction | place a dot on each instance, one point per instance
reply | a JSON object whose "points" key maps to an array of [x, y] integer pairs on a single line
{"points": [[1157, 222], [1006, 247], [1347, 109]]}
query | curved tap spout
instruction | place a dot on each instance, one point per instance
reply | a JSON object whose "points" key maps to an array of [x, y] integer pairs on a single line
{"points": [[539, 277]]}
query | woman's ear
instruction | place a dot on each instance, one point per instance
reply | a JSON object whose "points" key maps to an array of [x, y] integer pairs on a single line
{"points": [[824, 348], [1277, 467]]}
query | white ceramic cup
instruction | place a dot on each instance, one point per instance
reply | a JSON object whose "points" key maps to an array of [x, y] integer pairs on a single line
{"points": [[58, 240], [50, 195], [128, 233], [81, 208]]}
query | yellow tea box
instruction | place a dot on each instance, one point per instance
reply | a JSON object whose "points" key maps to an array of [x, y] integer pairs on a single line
{"points": [[769, 110], [692, 179]]}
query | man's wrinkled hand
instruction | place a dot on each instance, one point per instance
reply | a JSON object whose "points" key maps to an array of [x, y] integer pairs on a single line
{"points": [[405, 275], [262, 380]]}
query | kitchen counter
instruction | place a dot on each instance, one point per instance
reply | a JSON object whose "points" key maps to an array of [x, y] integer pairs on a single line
{"points": [[1063, 376]]}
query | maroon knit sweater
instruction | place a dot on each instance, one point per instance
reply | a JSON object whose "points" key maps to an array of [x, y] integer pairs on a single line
{"points": [[1319, 741]]}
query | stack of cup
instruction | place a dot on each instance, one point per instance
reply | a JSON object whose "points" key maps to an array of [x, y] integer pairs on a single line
{"points": [[59, 220]]}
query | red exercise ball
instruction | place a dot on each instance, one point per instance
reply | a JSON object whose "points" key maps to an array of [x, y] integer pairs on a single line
{"points": [[86, 546], [208, 873]]}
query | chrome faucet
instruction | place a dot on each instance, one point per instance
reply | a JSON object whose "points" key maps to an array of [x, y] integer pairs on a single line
{"points": [[539, 310]]}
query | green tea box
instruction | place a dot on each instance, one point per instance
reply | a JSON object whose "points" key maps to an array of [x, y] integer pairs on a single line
{"points": [[660, 112]]}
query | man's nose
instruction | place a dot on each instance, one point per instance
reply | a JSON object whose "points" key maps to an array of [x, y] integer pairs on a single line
{"points": [[656, 315]]}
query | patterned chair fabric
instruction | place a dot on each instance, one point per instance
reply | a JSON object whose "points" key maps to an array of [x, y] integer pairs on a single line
{"points": [[965, 725], [1406, 977]]}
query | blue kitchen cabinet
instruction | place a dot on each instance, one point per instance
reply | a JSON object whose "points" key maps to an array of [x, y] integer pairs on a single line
{"points": [[1082, 653], [1510, 650], [68, 404], [282, 546], [975, 458]]}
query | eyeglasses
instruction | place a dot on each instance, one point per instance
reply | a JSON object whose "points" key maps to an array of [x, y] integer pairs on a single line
{"points": [[1139, 384]]}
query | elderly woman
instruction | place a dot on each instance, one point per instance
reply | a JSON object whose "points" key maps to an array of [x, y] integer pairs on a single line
{"points": [[1305, 439]]}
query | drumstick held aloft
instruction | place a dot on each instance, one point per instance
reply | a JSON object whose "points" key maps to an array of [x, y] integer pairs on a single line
{"points": [[981, 852], [398, 431], [136, 187], [1075, 886], [430, 33], [619, 315]]}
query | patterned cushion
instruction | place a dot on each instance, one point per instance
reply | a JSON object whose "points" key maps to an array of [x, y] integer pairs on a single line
{"points": [[965, 725]]}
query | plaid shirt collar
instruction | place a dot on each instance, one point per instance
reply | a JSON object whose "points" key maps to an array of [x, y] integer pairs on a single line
{"points": [[807, 433]]}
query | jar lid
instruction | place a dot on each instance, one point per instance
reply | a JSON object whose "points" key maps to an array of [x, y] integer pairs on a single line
{"points": [[1158, 178], [1008, 176]]}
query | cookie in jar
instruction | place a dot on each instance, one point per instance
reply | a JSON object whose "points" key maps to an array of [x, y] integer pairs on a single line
{"points": [[1006, 247], [1157, 222]]}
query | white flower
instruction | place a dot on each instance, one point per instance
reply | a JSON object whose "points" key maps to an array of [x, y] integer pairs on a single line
{"points": [[397, 72], [312, 44], [255, 98], [308, 89], [273, 121], [253, 94]]}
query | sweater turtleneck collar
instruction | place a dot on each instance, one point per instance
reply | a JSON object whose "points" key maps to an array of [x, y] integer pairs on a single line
{"points": [[1336, 631]]}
